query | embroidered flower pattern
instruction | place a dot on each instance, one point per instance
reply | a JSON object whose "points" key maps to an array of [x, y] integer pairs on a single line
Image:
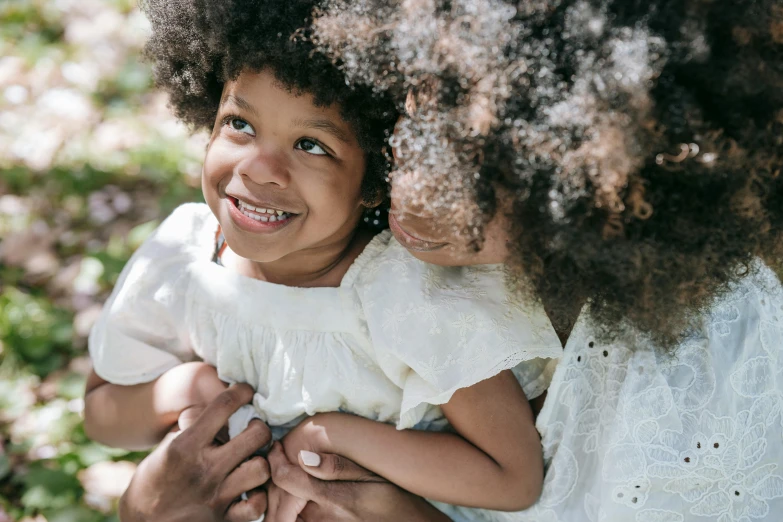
{"points": [[715, 466], [690, 436]]}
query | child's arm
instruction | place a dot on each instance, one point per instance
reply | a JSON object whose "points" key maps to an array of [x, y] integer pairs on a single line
{"points": [[495, 462], [139, 416]]}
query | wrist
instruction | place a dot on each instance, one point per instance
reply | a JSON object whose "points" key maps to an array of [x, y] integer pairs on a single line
{"points": [[312, 434], [328, 431]]}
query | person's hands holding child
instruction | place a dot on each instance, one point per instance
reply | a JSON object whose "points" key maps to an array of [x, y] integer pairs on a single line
{"points": [[199, 383], [300, 446], [190, 477], [311, 484]]}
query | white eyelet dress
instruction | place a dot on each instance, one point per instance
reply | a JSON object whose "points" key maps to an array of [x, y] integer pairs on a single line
{"points": [[393, 342], [632, 434]]}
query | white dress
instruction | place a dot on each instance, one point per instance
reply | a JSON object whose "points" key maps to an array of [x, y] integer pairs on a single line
{"points": [[631, 434], [394, 341]]}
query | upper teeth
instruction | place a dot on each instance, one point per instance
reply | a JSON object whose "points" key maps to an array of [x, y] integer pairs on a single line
{"points": [[260, 210]]}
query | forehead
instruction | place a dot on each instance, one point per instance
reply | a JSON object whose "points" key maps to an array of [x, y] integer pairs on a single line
{"points": [[252, 90], [264, 96]]}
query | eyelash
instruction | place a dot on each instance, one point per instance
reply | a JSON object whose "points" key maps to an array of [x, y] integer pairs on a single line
{"points": [[317, 144], [229, 117]]}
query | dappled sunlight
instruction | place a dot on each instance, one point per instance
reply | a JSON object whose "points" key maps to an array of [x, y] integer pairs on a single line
{"points": [[90, 162]]}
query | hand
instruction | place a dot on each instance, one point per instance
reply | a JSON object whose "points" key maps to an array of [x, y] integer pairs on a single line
{"points": [[190, 478], [337, 489], [309, 435], [312, 434], [198, 384], [282, 506]]}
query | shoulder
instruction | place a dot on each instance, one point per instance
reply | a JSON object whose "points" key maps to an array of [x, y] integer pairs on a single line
{"points": [[138, 335], [190, 223], [186, 235], [189, 231], [406, 300]]}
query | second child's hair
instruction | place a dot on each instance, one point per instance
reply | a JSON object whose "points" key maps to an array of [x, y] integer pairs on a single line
{"points": [[642, 141], [197, 46]]}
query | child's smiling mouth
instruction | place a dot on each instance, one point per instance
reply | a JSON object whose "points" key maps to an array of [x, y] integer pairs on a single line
{"points": [[258, 218]]}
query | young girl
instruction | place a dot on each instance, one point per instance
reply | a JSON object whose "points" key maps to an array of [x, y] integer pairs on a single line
{"points": [[274, 282]]}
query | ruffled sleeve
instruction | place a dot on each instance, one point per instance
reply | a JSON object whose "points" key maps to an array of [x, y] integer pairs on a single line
{"points": [[438, 329], [139, 334]]}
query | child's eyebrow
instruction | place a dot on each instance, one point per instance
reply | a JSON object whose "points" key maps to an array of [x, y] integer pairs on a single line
{"points": [[324, 125], [239, 102]]}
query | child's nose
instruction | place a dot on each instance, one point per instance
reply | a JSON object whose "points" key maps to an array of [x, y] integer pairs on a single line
{"points": [[266, 166]]}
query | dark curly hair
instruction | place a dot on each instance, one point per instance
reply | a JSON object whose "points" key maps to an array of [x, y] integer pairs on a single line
{"points": [[642, 141], [196, 46]]}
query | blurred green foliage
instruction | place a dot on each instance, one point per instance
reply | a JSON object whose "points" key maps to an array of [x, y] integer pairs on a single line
{"points": [[36, 334], [71, 213]]}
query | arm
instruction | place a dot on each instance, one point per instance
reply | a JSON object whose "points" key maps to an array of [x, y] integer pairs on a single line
{"points": [[139, 416], [495, 462]]}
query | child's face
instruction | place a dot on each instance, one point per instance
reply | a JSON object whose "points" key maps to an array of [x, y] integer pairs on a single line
{"points": [[281, 175]]}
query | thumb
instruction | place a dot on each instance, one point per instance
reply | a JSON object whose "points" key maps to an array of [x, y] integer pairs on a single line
{"points": [[328, 466]]}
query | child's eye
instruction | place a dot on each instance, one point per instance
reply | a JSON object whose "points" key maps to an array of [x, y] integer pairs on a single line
{"points": [[240, 125], [311, 147]]}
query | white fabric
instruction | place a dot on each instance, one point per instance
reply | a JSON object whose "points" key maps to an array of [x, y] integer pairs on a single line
{"points": [[635, 435], [393, 342]]}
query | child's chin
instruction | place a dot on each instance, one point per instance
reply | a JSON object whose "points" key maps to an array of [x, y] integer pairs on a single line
{"points": [[261, 254]]}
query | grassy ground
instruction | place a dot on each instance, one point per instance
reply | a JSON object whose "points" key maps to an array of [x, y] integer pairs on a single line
{"points": [[90, 161]]}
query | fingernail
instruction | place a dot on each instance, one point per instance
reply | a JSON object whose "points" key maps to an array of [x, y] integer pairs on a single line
{"points": [[310, 459]]}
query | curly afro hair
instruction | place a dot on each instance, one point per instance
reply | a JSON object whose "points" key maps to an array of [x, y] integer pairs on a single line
{"points": [[197, 46], [642, 141]]}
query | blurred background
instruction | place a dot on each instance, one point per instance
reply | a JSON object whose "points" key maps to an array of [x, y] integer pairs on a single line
{"points": [[90, 162]]}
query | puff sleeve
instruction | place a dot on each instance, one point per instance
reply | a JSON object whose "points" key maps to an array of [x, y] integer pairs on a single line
{"points": [[438, 329], [140, 333]]}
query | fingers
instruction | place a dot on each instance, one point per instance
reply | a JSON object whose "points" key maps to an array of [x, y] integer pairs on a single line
{"points": [[283, 507], [327, 466], [216, 414], [248, 476], [315, 513], [290, 507], [244, 445], [273, 501], [248, 510], [170, 436], [309, 513], [189, 416], [291, 478]]}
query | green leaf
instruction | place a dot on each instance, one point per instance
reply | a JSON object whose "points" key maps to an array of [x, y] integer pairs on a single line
{"points": [[73, 514], [90, 454], [49, 489], [5, 466], [53, 480]]}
